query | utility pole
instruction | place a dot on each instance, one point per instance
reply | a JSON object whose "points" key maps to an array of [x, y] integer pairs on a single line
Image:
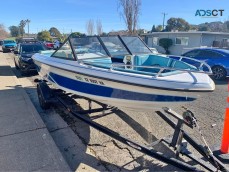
{"points": [[164, 20], [19, 32]]}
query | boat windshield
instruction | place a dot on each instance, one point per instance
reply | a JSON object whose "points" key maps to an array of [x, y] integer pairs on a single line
{"points": [[104, 46], [114, 45], [87, 47], [135, 45]]}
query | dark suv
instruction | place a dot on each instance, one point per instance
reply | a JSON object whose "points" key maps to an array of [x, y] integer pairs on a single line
{"points": [[23, 54]]}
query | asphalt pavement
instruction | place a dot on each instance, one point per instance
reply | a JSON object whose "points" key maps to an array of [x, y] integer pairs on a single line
{"points": [[86, 149]]}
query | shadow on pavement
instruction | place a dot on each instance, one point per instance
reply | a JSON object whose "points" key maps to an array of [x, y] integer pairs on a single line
{"points": [[83, 131], [19, 75], [4, 71], [222, 82], [75, 154]]}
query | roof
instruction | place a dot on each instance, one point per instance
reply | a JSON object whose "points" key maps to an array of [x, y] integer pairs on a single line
{"points": [[190, 32]]}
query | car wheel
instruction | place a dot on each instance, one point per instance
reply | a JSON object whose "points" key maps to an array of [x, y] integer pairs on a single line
{"points": [[3, 50], [16, 66], [219, 72]]}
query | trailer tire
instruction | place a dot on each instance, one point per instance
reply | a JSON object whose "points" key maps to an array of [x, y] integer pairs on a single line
{"points": [[44, 105]]}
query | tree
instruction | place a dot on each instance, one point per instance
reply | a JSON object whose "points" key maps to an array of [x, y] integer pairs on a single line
{"points": [[44, 36], [227, 24], [77, 34], [105, 34], [99, 27], [203, 28], [159, 28], [22, 26], [14, 31], [177, 24], [27, 22], [3, 32], [54, 32], [130, 10], [90, 27], [153, 29], [166, 43]]}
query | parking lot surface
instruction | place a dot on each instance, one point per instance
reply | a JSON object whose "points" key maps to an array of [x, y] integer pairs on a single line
{"points": [[84, 148]]}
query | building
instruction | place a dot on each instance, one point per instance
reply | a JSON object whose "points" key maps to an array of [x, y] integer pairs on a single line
{"points": [[184, 41]]}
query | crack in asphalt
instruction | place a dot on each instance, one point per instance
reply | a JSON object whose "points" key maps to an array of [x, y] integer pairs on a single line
{"points": [[23, 132], [121, 148]]}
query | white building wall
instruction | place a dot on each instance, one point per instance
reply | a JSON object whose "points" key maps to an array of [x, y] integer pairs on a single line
{"points": [[209, 38], [196, 39]]}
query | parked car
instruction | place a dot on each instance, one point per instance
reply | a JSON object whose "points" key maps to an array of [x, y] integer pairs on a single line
{"points": [[26, 40], [1, 42], [8, 45], [49, 45], [23, 54], [217, 59]]}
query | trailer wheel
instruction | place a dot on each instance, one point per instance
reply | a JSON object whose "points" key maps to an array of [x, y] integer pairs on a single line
{"points": [[43, 103]]}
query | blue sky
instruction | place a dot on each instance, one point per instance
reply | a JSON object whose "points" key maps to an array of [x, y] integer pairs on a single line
{"points": [[67, 15]]}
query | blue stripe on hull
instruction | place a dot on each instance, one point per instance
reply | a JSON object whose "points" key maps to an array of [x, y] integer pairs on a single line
{"points": [[104, 91]]}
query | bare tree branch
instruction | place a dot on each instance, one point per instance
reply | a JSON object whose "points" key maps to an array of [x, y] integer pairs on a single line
{"points": [[130, 13], [90, 27], [99, 27], [3, 33]]}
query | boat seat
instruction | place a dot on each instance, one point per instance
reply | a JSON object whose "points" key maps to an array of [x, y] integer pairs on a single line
{"points": [[100, 62], [151, 60], [181, 65]]}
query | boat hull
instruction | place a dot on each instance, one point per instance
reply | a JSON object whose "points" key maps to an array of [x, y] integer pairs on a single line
{"points": [[118, 94]]}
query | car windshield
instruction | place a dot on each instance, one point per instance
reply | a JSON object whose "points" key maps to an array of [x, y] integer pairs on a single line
{"points": [[31, 48], [8, 41]]}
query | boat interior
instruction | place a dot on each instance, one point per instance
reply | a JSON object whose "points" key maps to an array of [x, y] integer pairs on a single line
{"points": [[123, 53]]}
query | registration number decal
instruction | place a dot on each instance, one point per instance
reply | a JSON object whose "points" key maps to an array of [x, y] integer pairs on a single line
{"points": [[94, 81]]}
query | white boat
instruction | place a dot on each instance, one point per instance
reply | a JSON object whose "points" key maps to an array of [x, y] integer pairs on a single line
{"points": [[90, 66]]}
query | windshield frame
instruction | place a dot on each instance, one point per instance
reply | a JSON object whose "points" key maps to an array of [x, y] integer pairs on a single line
{"points": [[129, 52]]}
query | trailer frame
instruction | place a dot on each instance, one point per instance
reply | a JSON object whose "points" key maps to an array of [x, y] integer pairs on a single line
{"points": [[178, 141]]}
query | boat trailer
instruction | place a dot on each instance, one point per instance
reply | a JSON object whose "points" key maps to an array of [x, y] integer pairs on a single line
{"points": [[177, 142]]}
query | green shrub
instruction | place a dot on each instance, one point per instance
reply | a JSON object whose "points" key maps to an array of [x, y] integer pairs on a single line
{"points": [[166, 43]]}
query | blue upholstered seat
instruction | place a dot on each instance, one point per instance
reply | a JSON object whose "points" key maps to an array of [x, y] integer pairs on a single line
{"points": [[151, 60]]}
